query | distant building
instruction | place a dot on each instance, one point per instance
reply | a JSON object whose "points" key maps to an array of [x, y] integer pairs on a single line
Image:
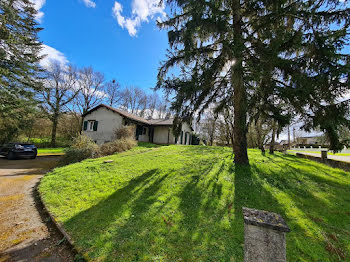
{"points": [[310, 140]]}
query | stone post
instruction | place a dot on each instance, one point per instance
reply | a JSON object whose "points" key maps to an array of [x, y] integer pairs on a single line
{"points": [[324, 155], [264, 236]]}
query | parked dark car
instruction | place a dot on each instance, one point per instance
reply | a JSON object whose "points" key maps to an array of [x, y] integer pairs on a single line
{"points": [[16, 150]]}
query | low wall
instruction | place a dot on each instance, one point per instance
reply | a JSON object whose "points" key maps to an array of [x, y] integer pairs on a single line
{"points": [[330, 162]]}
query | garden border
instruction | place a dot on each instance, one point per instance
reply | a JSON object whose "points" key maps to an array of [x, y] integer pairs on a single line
{"points": [[58, 225]]}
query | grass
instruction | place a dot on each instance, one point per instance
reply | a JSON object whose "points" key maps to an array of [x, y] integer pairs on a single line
{"points": [[44, 142], [44, 151], [184, 203], [319, 152]]}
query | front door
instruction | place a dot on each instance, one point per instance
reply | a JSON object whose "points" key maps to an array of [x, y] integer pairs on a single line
{"points": [[151, 134], [139, 130]]}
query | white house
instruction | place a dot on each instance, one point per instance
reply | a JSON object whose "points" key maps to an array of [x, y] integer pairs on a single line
{"points": [[101, 122], [308, 140]]}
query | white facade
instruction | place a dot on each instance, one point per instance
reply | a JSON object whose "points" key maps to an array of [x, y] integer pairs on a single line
{"points": [[108, 122], [101, 123]]}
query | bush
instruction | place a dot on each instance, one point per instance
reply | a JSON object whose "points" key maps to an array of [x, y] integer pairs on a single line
{"points": [[83, 147], [117, 146], [127, 132]]}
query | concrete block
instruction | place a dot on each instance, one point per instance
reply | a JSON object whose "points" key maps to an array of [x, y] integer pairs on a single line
{"points": [[264, 236]]}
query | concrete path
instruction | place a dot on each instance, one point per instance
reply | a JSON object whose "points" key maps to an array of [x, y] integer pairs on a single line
{"points": [[338, 158], [26, 233]]}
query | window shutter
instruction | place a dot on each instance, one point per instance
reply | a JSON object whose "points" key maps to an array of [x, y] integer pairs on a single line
{"points": [[85, 125], [95, 125]]}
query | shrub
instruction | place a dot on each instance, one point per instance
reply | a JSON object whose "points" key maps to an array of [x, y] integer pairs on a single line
{"points": [[82, 148], [125, 132], [117, 146]]}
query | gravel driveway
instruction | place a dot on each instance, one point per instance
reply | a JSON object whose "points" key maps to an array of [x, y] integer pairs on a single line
{"points": [[26, 233]]}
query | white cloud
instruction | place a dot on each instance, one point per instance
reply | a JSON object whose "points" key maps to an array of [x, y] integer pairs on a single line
{"points": [[52, 55], [89, 3], [142, 11], [38, 4]]}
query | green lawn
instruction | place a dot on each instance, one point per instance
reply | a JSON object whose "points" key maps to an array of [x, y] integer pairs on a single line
{"points": [[58, 150], [184, 203]]}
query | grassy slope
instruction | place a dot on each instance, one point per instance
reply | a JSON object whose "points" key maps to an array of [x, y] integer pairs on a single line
{"points": [[184, 203]]}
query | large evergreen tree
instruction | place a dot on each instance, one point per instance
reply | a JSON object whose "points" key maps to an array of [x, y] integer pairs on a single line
{"points": [[19, 69], [279, 54]]}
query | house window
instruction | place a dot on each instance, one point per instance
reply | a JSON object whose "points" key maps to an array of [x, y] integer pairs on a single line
{"points": [[144, 131], [90, 126]]}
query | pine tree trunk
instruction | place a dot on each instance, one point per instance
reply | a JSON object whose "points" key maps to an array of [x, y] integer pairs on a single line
{"points": [[272, 144], [240, 94], [54, 130], [259, 137]]}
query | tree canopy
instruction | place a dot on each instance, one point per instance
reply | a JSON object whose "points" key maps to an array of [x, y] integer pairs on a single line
{"points": [[19, 65], [278, 57]]}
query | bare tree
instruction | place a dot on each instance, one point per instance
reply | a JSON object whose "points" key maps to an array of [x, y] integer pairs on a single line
{"points": [[112, 91], [59, 90], [152, 104], [134, 100], [259, 130], [209, 126], [162, 108], [91, 89]]}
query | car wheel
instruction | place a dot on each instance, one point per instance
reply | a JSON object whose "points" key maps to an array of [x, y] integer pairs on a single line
{"points": [[11, 156], [33, 157]]}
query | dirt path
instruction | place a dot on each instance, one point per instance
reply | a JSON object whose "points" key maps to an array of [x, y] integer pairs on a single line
{"points": [[26, 233]]}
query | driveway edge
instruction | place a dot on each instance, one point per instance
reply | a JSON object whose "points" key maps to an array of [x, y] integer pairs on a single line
{"points": [[59, 226]]}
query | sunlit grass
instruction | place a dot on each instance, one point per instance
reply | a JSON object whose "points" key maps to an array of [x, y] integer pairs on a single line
{"points": [[58, 150], [183, 203]]}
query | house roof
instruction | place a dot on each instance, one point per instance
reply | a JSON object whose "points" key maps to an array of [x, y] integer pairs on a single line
{"points": [[153, 122], [304, 137], [161, 122]]}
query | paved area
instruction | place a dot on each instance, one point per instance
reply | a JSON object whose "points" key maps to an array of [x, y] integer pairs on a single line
{"points": [[26, 233], [339, 158]]}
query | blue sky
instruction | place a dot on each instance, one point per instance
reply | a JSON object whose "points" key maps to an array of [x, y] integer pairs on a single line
{"points": [[119, 39]]}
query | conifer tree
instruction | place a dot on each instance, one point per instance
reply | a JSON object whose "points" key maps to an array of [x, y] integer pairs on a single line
{"points": [[285, 54], [19, 68]]}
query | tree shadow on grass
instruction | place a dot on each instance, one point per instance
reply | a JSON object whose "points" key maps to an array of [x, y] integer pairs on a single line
{"points": [[313, 206], [97, 218], [137, 222], [251, 191], [192, 213]]}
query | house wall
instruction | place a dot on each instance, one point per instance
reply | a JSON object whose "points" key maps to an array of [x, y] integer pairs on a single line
{"points": [[161, 135], [108, 122], [185, 129]]}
